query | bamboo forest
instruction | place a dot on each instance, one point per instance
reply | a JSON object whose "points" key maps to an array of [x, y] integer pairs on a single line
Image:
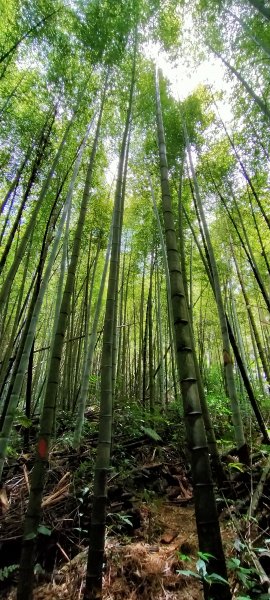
{"points": [[135, 299]]}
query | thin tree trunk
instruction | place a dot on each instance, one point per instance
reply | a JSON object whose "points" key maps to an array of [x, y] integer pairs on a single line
{"points": [[246, 246], [260, 43], [43, 142], [34, 311], [264, 253], [63, 263], [16, 179], [257, 362], [133, 376], [150, 340], [144, 356], [139, 388], [16, 322], [6, 103], [28, 397], [88, 364], [119, 372], [115, 340], [252, 321], [98, 519], [244, 171], [48, 414], [160, 337], [250, 253], [27, 34], [232, 340], [253, 401], [265, 110], [168, 287], [6, 221], [181, 236], [25, 238], [228, 365], [123, 357], [210, 433]]}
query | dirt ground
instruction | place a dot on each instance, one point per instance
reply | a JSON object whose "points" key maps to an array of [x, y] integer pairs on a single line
{"points": [[138, 569]]}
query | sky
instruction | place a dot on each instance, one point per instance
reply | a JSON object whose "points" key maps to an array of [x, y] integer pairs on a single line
{"points": [[185, 75], [184, 79]]}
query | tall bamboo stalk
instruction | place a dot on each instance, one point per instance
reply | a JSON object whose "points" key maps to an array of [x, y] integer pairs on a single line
{"points": [[98, 519], [48, 414], [205, 506]]}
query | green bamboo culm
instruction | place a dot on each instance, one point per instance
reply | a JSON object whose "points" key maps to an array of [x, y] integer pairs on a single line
{"points": [[32, 518], [93, 587], [205, 506]]}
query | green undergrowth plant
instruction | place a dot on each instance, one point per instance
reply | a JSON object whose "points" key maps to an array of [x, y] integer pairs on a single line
{"points": [[90, 429], [201, 572], [84, 473], [176, 433], [220, 414], [117, 523], [246, 578], [6, 572], [12, 452], [42, 529], [134, 422], [15, 443], [243, 569]]}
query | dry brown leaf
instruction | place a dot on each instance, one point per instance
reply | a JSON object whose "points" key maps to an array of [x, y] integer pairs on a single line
{"points": [[4, 503], [168, 536]]}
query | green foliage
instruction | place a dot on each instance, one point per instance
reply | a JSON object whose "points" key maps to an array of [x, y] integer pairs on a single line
{"points": [[197, 112], [44, 530], [183, 557], [169, 27], [119, 519], [105, 26], [201, 571], [80, 530], [30, 536], [247, 576], [7, 571], [11, 451], [219, 404], [237, 466], [65, 60], [24, 421], [151, 433], [38, 570], [134, 421]]}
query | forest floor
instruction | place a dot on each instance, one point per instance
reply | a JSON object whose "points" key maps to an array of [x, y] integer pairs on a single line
{"points": [[135, 569], [151, 532]]}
